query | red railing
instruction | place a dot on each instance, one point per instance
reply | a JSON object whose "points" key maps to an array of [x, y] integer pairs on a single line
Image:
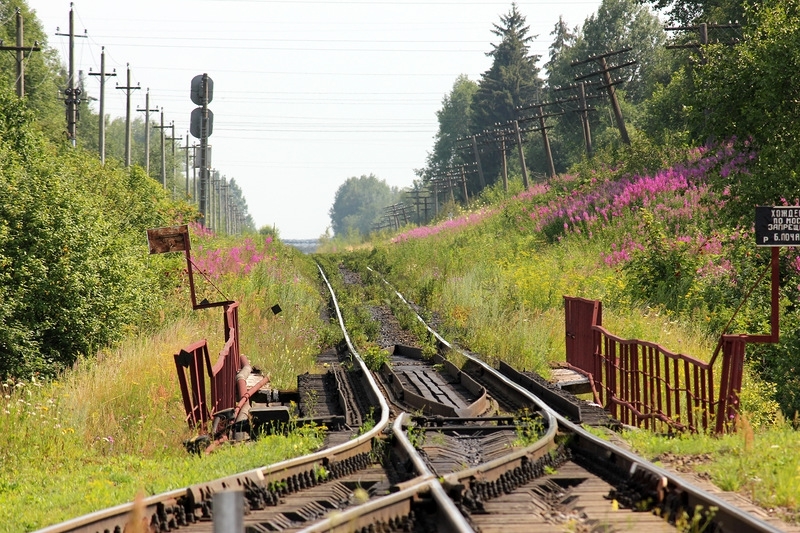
{"points": [[643, 384], [222, 375], [193, 386]]}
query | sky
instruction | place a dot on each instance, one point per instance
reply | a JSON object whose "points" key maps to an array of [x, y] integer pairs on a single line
{"points": [[307, 93]]}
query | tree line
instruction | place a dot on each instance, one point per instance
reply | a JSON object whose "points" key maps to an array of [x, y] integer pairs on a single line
{"points": [[708, 70], [46, 79], [75, 274]]}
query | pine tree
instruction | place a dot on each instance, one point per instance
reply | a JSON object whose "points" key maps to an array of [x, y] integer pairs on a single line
{"points": [[512, 81]]}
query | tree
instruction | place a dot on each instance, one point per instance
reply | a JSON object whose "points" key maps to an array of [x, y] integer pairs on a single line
{"points": [[454, 121], [750, 91], [73, 269], [512, 81], [558, 69], [45, 76], [359, 204], [688, 12], [616, 25], [622, 24]]}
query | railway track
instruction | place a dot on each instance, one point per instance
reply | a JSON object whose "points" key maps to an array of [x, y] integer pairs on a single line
{"points": [[423, 445]]}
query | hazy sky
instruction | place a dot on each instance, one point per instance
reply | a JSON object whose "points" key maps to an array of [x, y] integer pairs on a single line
{"points": [[307, 93]]}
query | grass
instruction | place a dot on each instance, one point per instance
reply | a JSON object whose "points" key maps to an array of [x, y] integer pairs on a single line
{"points": [[113, 426], [649, 247], [763, 465], [494, 279]]}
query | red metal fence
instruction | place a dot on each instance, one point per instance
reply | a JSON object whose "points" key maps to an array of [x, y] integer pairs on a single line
{"points": [[190, 361], [223, 373], [191, 377], [643, 384]]}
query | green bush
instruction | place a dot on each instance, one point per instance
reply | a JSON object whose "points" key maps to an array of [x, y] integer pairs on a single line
{"points": [[75, 271]]}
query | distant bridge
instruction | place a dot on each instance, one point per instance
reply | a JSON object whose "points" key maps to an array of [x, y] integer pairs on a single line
{"points": [[307, 246]]}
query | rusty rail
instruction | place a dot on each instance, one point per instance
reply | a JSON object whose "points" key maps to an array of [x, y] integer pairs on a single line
{"points": [[646, 385]]}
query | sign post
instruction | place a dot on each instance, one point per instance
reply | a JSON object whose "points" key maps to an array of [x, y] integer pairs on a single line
{"points": [[176, 239], [776, 226]]}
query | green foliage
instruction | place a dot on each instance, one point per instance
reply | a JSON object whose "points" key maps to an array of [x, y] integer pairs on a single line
{"points": [[617, 25], [688, 12], [763, 464], [511, 81], [750, 91], [375, 357], [269, 231], [416, 435], [115, 422], [529, 428], [75, 266], [454, 120], [39, 428], [359, 204], [663, 271]]}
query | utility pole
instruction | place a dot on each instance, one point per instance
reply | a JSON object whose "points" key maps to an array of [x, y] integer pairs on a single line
{"points": [[478, 161], [584, 111], [608, 84], [224, 209], [73, 93], [162, 127], [128, 88], [20, 50], [147, 111], [464, 184], [186, 167], [540, 116], [102, 125], [702, 30], [172, 140], [522, 155]]}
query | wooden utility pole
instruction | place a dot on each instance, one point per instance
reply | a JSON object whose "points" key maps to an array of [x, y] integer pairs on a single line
{"points": [[146, 112], [72, 92], [478, 161], [522, 155], [540, 116], [102, 125], [128, 88], [20, 50], [584, 111], [172, 140], [464, 184], [163, 151], [186, 167], [702, 30], [608, 84]]}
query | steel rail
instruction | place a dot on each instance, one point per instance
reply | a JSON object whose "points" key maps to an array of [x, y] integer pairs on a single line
{"points": [[399, 503], [118, 516], [728, 517]]}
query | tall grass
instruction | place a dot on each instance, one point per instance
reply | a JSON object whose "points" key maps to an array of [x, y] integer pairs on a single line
{"points": [[113, 426], [650, 247]]}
